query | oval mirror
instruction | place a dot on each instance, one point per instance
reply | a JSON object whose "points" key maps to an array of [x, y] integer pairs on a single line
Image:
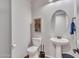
{"points": [[60, 22]]}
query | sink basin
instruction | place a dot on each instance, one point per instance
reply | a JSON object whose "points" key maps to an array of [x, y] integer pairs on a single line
{"points": [[61, 41]]}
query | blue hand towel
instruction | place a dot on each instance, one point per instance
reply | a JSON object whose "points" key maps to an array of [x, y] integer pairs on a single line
{"points": [[73, 28]]}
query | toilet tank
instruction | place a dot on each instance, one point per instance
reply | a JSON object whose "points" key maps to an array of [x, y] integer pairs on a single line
{"points": [[36, 41]]}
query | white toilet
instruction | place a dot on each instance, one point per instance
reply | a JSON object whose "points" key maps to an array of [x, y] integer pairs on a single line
{"points": [[33, 51]]}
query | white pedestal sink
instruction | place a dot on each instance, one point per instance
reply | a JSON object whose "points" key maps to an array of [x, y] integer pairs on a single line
{"points": [[59, 43]]}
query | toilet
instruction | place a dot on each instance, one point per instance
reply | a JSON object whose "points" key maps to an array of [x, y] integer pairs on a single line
{"points": [[33, 51]]}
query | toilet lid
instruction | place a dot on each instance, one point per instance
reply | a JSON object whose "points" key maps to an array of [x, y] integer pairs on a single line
{"points": [[32, 49]]}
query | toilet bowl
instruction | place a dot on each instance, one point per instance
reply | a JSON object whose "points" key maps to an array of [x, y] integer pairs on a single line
{"points": [[33, 51]]}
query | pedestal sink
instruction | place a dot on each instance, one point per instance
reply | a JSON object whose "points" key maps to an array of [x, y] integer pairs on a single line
{"points": [[59, 43]]}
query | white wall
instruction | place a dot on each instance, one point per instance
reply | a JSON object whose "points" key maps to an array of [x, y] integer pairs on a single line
{"points": [[78, 18], [21, 19], [5, 28], [41, 8]]}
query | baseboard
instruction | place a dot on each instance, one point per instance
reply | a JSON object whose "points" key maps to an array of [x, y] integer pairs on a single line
{"points": [[49, 56]]}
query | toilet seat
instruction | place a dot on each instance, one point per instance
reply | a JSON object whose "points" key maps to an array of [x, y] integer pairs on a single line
{"points": [[31, 50]]}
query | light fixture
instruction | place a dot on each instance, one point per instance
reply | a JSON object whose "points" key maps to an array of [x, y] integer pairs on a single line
{"points": [[50, 1]]}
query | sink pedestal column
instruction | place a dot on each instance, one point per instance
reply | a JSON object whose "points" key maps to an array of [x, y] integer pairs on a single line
{"points": [[59, 43], [58, 51]]}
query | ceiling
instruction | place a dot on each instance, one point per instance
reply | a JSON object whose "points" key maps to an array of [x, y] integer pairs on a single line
{"points": [[46, 1]]}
